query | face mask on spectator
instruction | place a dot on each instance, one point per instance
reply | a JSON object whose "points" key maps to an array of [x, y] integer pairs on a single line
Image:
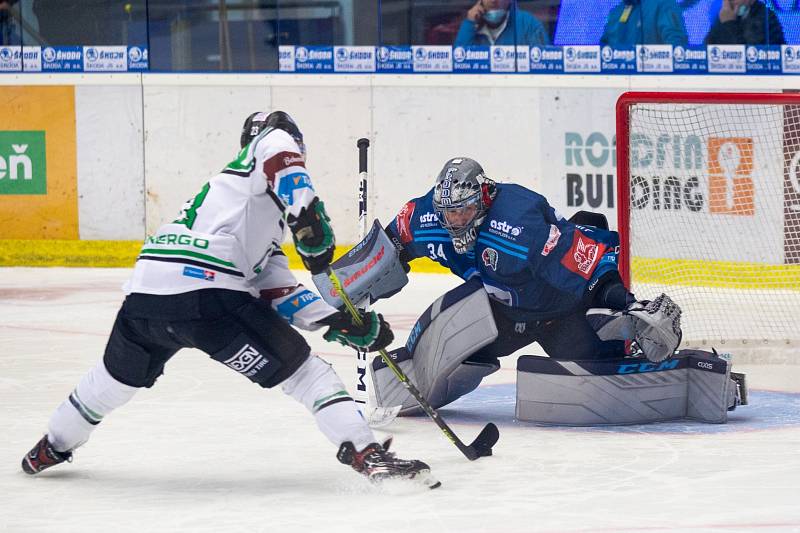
{"points": [[494, 17]]}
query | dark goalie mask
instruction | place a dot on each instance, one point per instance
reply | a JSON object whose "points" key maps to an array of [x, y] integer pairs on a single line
{"points": [[461, 197]]}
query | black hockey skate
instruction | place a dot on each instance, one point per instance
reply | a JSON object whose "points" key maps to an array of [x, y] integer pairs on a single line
{"points": [[379, 464], [43, 456]]}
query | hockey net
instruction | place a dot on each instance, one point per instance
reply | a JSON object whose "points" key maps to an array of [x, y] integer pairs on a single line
{"points": [[709, 213]]}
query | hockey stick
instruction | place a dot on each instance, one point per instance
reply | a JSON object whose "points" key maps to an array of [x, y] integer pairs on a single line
{"points": [[480, 447], [376, 416]]}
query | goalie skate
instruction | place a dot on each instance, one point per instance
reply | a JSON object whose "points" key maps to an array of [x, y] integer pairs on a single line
{"points": [[378, 464]]}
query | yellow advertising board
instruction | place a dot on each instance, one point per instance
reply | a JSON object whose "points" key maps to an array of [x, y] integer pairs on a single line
{"points": [[38, 163]]}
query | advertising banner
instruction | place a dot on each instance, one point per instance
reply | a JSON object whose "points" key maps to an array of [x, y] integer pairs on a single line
{"points": [[38, 170], [580, 150]]}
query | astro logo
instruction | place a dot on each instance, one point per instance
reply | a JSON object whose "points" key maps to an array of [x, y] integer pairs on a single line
{"points": [[428, 217], [637, 368], [730, 176], [505, 227]]}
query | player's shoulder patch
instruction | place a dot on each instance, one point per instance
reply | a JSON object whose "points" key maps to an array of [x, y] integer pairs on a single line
{"points": [[279, 162], [583, 255], [404, 222]]}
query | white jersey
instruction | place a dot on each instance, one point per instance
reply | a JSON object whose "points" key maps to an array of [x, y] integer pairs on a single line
{"points": [[229, 235]]}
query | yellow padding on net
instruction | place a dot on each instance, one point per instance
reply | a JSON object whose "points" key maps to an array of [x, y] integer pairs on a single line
{"points": [[724, 274], [74, 253]]}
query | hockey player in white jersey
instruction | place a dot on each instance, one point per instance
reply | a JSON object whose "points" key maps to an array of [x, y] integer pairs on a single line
{"points": [[216, 279]]}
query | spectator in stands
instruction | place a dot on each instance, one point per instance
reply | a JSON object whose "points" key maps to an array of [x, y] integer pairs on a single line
{"points": [[491, 22], [18, 23], [745, 22], [645, 22]]}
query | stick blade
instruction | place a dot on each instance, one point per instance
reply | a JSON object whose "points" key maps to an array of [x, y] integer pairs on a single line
{"points": [[378, 417], [482, 445]]}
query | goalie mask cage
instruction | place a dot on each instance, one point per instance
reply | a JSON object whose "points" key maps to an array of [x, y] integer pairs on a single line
{"points": [[709, 213]]}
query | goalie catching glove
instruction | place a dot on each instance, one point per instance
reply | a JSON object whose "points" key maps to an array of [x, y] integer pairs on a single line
{"points": [[313, 236], [373, 334], [654, 325]]}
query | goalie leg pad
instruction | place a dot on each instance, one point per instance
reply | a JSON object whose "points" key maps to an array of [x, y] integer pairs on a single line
{"points": [[454, 327], [694, 384]]}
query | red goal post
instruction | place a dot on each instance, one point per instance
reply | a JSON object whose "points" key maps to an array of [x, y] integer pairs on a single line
{"points": [[709, 212]]}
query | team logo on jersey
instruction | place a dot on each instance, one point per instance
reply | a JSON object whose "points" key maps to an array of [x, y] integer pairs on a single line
{"points": [[281, 161], [404, 222], [552, 240], [489, 256], [583, 255], [247, 361]]}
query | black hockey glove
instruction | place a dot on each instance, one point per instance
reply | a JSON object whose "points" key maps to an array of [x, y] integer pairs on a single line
{"points": [[374, 334], [313, 236]]}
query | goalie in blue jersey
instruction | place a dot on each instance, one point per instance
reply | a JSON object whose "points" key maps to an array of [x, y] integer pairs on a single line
{"points": [[530, 276]]}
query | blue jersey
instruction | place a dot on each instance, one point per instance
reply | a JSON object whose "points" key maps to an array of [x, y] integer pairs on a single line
{"points": [[528, 257]]}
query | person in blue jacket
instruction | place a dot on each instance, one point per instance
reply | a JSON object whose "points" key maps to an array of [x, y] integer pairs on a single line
{"points": [[541, 271], [492, 22], [635, 22]]}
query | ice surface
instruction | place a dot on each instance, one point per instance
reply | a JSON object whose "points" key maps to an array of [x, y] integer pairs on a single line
{"points": [[207, 451]]}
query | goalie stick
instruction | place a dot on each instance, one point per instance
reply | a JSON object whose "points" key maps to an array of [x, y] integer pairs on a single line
{"points": [[480, 447], [376, 416]]}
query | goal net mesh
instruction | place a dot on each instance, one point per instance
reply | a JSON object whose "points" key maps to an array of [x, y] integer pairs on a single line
{"points": [[714, 219]]}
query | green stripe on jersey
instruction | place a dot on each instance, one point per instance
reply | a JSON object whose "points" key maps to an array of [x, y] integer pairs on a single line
{"points": [[187, 253]]}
